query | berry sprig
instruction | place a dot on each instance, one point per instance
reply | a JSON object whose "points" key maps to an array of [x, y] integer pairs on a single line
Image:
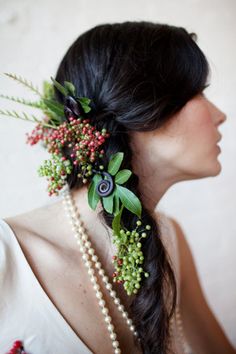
{"points": [[39, 132], [56, 169], [85, 143], [129, 259]]}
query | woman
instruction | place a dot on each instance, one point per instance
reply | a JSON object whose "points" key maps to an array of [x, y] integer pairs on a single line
{"points": [[146, 83]]}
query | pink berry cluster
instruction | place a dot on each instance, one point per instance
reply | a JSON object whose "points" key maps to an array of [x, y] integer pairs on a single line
{"points": [[40, 132], [79, 135], [84, 141], [17, 348]]}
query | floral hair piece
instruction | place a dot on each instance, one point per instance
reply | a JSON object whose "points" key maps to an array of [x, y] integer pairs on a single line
{"points": [[66, 126]]}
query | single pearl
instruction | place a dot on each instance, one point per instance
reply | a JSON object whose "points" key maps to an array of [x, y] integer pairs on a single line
{"points": [[102, 303], [129, 322], [110, 327], [77, 223], [85, 256], [94, 279], [108, 286], [125, 314], [113, 293], [96, 287], [84, 237], [105, 311], [88, 264], [117, 351], [98, 265], [82, 249], [73, 214], [87, 244], [117, 300], [105, 279], [120, 307], [108, 319], [101, 271], [99, 294], [91, 271], [113, 336], [115, 344]]}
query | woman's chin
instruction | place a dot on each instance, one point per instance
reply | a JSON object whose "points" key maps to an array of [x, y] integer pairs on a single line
{"points": [[210, 170], [216, 169]]}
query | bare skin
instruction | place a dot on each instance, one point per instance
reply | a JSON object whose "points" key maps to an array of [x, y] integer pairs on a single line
{"points": [[184, 149]]}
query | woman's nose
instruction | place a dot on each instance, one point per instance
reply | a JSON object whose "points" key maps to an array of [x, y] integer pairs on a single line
{"points": [[218, 115], [221, 117]]}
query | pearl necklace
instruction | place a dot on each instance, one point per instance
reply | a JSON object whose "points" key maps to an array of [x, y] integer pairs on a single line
{"points": [[180, 332], [88, 253]]}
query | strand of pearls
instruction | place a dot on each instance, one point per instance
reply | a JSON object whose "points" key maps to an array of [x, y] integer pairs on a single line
{"points": [[180, 331], [89, 253]]}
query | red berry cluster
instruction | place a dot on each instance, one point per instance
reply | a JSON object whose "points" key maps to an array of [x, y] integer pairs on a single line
{"points": [[78, 134], [116, 274], [38, 133], [17, 348]]}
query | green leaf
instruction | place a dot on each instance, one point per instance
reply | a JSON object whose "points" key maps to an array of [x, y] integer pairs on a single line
{"points": [[84, 101], [116, 203], [93, 197], [116, 221], [70, 87], [54, 106], [48, 90], [115, 162], [122, 176], [108, 203], [130, 201], [60, 88], [54, 119]]}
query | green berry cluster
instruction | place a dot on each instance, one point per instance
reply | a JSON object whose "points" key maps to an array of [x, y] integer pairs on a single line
{"points": [[56, 169], [129, 259]]}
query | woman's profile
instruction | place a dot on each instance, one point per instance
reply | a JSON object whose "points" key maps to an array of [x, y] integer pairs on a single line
{"points": [[146, 84]]}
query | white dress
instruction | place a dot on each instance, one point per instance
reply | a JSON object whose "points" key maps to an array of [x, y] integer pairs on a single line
{"points": [[26, 311]]}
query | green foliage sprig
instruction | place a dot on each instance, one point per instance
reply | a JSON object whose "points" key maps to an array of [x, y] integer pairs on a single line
{"points": [[129, 259], [47, 103]]}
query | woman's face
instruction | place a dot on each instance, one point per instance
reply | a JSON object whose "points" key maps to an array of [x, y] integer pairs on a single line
{"points": [[186, 147]]}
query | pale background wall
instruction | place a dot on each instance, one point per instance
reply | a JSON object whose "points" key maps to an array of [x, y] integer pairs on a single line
{"points": [[33, 38]]}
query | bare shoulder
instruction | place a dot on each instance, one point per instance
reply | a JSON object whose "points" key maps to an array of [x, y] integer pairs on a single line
{"points": [[187, 265], [35, 222], [187, 268]]}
